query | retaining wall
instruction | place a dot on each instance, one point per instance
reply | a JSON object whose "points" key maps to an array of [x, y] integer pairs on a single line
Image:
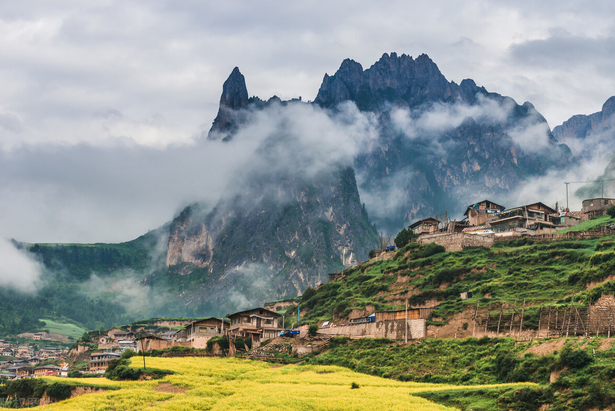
{"points": [[395, 329], [458, 241]]}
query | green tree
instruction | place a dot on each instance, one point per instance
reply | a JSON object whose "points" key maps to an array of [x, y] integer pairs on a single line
{"points": [[404, 237], [611, 212]]}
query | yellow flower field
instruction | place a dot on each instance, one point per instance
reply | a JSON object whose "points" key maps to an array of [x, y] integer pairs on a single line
{"points": [[233, 384]]}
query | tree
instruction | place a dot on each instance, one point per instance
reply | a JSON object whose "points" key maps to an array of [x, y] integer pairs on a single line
{"points": [[404, 237], [611, 212], [313, 329]]}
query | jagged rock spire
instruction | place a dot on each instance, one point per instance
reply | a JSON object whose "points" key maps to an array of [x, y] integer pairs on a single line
{"points": [[234, 98]]}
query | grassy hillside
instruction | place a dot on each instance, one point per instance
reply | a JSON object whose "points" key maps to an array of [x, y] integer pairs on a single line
{"points": [[590, 225], [70, 330], [583, 370], [541, 273]]}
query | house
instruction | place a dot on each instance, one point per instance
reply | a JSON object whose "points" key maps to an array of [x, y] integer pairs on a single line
{"points": [[425, 226], [529, 219], [481, 212], [46, 370], [34, 361], [258, 324], [200, 331], [21, 371], [38, 336], [8, 375], [169, 335], [64, 372], [365, 319], [25, 351], [410, 314], [127, 345], [6, 352], [4, 344], [594, 207], [100, 361], [118, 334], [50, 353], [104, 339]]}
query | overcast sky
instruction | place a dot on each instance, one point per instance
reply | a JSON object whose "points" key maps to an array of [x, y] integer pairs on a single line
{"points": [[98, 98]]}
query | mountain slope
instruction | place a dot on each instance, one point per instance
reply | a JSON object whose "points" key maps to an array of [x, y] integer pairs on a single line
{"points": [[441, 145], [267, 244]]}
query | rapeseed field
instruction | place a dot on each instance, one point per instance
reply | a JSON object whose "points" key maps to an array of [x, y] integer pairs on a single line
{"points": [[234, 384]]}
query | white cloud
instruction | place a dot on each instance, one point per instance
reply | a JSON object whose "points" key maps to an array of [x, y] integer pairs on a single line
{"points": [[18, 269]]}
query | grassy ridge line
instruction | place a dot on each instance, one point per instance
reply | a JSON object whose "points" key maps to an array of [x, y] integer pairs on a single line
{"points": [[509, 272]]}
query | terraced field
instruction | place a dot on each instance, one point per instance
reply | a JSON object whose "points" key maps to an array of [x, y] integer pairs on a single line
{"points": [[233, 384]]}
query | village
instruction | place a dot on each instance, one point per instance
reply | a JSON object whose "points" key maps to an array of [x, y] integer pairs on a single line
{"points": [[484, 224]]}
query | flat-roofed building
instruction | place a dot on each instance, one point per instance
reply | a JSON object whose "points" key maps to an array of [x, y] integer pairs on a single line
{"points": [[594, 207], [100, 361]]}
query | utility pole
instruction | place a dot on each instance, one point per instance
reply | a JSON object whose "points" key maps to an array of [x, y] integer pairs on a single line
{"points": [[567, 184]]}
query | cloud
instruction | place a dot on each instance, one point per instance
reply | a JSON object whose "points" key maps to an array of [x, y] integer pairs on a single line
{"points": [[565, 51], [18, 269]]}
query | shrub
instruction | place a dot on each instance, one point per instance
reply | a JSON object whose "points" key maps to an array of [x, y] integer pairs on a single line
{"points": [[120, 370], [74, 374], [59, 391], [307, 294], [611, 212], [372, 254], [313, 329], [354, 386], [338, 341], [404, 237], [574, 358]]}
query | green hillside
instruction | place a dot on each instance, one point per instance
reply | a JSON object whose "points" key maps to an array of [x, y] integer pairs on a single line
{"points": [[70, 330], [540, 273]]}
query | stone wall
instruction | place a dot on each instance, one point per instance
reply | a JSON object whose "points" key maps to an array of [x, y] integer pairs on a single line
{"points": [[395, 329], [458, 241]]}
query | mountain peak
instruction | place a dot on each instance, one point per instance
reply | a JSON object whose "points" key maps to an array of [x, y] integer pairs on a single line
{"points": [[234, 97], [400, 80], [608, 108], [234, 91]]}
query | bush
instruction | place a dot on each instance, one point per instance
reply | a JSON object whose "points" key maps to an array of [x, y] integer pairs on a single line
{"points": [[611, 212], [313, 329], [372, 254], [404, 237], [74, 374], [120, 370], [338, 341], [59, 391], [574, 359], [354, 386], [307, 294]]}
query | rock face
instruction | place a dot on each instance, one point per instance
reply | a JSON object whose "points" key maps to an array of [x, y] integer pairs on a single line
{"points": [[269, 243], [400, 81], [276, 231], [440, 167], [234, 98], [586, 132]]}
